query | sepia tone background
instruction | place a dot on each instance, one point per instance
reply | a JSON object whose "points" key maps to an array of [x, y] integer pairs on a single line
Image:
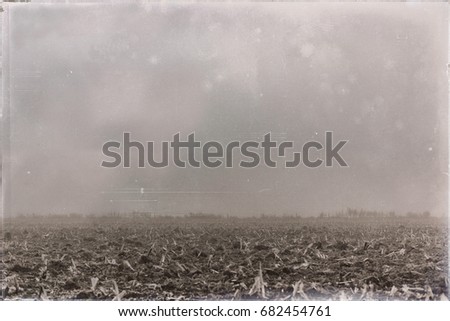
{"points": [[77, 76], [374, 74]]}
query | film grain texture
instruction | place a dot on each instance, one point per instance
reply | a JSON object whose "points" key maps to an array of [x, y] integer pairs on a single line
{"points": [[360, 88]]}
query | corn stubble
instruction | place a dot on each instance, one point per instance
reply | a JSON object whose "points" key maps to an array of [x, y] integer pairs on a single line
{"points": [[225, 259]]}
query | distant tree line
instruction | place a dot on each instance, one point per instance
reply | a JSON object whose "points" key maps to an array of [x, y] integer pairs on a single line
{"points": [[360, 213]]}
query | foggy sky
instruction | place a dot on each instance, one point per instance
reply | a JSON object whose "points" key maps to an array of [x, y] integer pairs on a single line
{"points": [[374, 74]]}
